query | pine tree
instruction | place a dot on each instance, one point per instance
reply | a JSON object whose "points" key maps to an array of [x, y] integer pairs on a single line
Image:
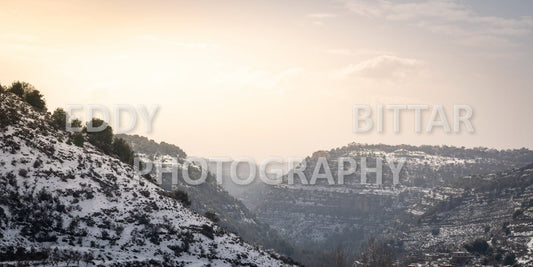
{"points": [[123, 150], [59, 118], [101, 139]]}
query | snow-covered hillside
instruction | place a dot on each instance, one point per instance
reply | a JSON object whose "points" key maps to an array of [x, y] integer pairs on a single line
{"points": [[69, 204], [208, 196], [321, 216], [495, 208]]}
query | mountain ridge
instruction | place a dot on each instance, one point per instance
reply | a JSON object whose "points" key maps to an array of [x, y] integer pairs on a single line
{"points": [[61, 203], [317, 216], [209, 196]]}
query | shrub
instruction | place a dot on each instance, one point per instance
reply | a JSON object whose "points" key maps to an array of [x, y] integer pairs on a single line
{"points": [[19, 88], [212, 216], [59, 118], [102, 139], [77, 139], [123, 150], [104, 235], [478, 246], [510, 259], [517, 213], [28, 93], [179, 195], [37, 163], [435, 231], [207, 231], [23, 172], [145, 193], [8, 116], [35, 98], [75, 123]]}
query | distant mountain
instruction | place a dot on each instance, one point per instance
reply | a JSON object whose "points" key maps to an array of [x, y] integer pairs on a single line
{"points": [[61, 204], [322, 216], [485, 219], [251, 194], [210, 197]]}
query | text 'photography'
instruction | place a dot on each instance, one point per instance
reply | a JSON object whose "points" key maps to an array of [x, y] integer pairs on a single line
{"points": [[266, 133]]}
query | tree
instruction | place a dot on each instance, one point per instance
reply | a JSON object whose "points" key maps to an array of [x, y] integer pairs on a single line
{"points": [[101, 139], [75, 123], [35, 98], [28, 93], [509, 259], [77, 139], [8, 116], [477, 246], [20, 88], [59, 118], [123, 150]]}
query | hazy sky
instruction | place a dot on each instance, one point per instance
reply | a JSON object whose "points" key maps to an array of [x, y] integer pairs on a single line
{"points": [[279, 78]]}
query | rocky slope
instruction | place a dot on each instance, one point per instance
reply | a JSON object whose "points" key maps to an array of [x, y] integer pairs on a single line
{"points": [[209, 196], [322, 216], [494, 209], [63, 204]]}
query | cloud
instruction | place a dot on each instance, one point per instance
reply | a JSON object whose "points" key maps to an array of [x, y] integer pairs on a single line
{"points": [[450, 18], [356, 52], [319, 18], [381, 67]]}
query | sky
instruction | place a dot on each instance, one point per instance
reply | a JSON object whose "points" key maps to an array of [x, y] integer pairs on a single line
{"points": [[280, 78]]}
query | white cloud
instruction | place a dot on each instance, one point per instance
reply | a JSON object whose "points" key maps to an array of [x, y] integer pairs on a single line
{"points": [[382, 67], [356, 52], [449, 18]]}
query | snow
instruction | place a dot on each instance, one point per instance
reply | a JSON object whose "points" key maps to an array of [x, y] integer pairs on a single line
{"points": [[116, 197]]}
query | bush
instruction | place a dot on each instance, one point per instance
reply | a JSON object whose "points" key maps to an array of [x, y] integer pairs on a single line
{"points": [[435, 231], [517, 213], [212, 216], [207, 231], [75, 123], [77, 139], [19, 88], [123, 150], [179, 195], [37, 163], [8, 116], [478, 246], [59, 118], [101, 139], [510, 259], [145, 193], [28, 93], [35, 98], [23, 172]]}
